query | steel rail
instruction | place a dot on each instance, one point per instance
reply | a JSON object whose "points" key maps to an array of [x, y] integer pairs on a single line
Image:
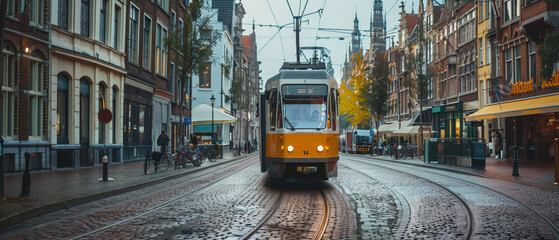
{"points": [[469, 214], [553, 227], [266, 217], [325, 219], [211, 169], [125, 220]]}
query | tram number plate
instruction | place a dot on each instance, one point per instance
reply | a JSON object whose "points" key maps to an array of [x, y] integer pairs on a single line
{"points": [[306, 169]]}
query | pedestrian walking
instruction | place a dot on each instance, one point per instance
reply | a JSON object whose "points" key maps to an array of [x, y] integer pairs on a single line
{"points": [[163, 141]]}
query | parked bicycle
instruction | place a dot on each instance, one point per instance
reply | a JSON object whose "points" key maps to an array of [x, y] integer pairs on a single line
{"points": [[407, 151], [157, 161], [185, 156], [212, 154]]}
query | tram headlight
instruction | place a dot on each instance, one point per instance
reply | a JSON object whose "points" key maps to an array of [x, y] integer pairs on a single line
{"points": [[320, 148], [290, 148]]}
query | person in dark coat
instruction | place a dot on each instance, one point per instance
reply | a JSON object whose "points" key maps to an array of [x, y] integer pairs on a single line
{"points": [[163, 141], [194, 140]]}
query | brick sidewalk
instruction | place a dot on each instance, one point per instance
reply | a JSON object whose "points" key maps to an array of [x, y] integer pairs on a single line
{"points": [[534, 173]]}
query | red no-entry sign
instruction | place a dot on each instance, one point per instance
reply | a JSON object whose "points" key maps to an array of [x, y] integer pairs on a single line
{"points": [[105, 115]]}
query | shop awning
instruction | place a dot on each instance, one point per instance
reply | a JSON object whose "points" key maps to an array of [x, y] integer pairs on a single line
{"points": [[385, 128], [399, 126], [406, 131], [202, 114], [533, 106], [205, 128]]}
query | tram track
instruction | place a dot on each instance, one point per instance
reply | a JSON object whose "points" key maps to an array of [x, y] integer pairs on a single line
{"points": [[548, 222], [470, 226], [240, 164], [319, 231]]}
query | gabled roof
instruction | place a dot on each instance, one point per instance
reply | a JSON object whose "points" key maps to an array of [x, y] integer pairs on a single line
{"points": [[411, 20], [437, 11]]}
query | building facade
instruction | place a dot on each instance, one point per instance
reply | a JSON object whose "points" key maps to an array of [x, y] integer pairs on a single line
{"points": [[215, 78], [25, 86]]}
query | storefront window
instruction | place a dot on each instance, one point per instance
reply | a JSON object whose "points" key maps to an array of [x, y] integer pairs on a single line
{"points": [[137, 127], [62, 109], [457, 122]]}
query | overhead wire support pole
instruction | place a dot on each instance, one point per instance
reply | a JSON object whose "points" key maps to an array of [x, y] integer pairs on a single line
{"points": [[297, 22]]}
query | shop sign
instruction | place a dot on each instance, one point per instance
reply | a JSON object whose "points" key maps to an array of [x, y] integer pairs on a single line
{"points": [[438, 109], [474, 123], [525, 87], [453, 107]]}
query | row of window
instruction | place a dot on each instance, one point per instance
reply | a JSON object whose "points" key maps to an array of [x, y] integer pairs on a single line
{"points": [[37, 101], [10, 96], [63, 117], [144, 25], [109, 20]]}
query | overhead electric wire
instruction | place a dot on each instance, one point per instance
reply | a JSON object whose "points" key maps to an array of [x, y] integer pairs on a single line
{"points": [[281, 39], [291, 10], [319, 21], [305, 7], [279, 29], [395, 2]]}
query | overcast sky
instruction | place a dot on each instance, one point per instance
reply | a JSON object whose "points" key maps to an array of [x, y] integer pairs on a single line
{"points": [[336, 14]]}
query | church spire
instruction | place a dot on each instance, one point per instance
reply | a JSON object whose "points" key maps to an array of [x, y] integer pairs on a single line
{"points": [[378, 42], [355, 36]]}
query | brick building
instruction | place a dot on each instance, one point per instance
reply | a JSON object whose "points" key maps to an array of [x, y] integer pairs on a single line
{"points": [[24, 99]]}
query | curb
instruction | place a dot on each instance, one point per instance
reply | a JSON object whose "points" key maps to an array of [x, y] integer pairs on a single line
{"points": [[19, 217], [449, 169]]}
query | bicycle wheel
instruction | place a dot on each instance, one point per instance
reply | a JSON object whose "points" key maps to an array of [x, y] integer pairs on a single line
{"points": [[196, 159], [163, 163], [393, 154], [403, 154], [180, 161]]}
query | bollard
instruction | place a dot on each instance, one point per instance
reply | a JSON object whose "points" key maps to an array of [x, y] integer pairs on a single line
{"points": [[26, 183], [105, 168], [515, 162], [556, 161]]}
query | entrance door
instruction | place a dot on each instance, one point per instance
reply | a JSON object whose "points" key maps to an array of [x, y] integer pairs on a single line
{"points": [[86, 159]]}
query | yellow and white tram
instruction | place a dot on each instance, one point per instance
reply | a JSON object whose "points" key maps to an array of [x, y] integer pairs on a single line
{"points": [[298, 123]]}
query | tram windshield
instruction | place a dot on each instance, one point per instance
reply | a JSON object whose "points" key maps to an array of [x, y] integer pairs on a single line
{"points": [[304, 106]]}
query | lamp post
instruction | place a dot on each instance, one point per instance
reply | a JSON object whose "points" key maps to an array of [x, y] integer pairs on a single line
{"points": [[212, 99]]}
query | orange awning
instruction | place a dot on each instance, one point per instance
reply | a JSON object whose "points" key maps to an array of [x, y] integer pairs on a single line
{"points": [[547, 104]]}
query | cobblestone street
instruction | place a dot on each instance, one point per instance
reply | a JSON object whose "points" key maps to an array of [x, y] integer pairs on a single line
{"points": [[372, 198]]}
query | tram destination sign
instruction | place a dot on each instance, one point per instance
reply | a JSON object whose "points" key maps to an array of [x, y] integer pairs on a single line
{"points": [[307, 89]]}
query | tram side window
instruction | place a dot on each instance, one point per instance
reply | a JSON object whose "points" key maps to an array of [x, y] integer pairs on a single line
{"points": [[333, 104], [273, 107], [280, 112]]}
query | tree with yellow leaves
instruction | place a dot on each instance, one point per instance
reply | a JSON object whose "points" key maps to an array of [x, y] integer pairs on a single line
{"points": [[351, 104]]}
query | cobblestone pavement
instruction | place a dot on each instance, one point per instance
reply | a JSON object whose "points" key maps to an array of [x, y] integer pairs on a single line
{"points": [[373, 198], [147, 203], [434, 212], [497, 216], [377, 211]]}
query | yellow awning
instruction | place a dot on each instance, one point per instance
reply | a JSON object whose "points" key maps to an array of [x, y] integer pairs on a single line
{"points": [[547, 104]]}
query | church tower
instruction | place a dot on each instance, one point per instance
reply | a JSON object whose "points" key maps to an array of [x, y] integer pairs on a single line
{"points": [[355, 37], [378, 41]]}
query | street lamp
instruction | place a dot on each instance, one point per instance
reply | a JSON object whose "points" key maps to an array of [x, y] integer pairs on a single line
{"points": [[212, 99]]}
